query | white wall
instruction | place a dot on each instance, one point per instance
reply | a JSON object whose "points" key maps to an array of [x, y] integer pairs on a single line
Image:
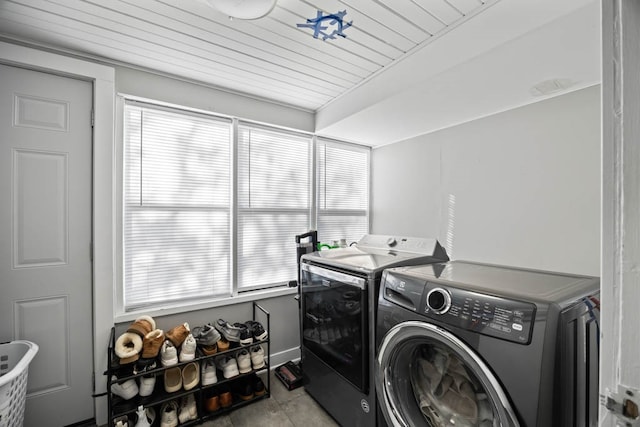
{"points": [[160, 88], [518, 188]]}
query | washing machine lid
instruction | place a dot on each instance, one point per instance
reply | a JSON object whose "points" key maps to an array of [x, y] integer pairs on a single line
{"points": [[427, 376], [374, 253], [522, 283]]}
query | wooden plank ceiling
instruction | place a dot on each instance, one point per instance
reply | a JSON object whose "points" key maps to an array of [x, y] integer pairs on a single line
{"points": [[270, 58]]}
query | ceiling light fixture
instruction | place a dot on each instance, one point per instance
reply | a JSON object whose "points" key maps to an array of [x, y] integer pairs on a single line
{"points": [[244, 9]]}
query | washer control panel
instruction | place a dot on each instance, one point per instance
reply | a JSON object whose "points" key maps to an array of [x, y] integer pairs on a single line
{"points": [[482, 313], [486, 314]]}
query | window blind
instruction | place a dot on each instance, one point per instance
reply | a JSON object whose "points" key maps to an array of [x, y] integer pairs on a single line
{"points": [[176, 222], [343, 191], [273, 204]]}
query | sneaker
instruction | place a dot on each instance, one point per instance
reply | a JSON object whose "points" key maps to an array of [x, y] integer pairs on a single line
{"points": [[230, 332], [258, 386], [243, 389], [206, 335], [169, 414], [191, 375], [122, 421], [125, 390], [143, 420], [257, 357], [257, 330], [209, 374], [144, 365], [178, 334], [223, 344], [212, 403], [246, 337], [172, 379], [228, 366], [146, 416], [147, 384], [208, 350], [187, 411], [226, 398], [188, 349], [244, 361], [168, 354]]}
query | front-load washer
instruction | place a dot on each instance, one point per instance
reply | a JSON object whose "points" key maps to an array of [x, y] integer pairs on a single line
{"points": [[468, 344]]}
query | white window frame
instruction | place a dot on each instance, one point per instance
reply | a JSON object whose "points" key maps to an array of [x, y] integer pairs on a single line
{"points": [[235, 297]]}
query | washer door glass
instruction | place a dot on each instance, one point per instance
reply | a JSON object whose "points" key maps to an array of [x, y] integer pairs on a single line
{"points": [[425, 376]]}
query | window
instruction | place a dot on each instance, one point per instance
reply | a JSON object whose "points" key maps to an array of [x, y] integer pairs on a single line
{"points": [[209, 212], [343, 191], [273, 204], [176, 206]]}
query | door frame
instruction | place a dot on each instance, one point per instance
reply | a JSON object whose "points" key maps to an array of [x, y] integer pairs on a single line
{"points": [[620, 269], [103, 79]]}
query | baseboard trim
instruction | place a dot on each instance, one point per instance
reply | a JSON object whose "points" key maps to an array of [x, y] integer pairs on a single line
{"points": [[281, 357]]}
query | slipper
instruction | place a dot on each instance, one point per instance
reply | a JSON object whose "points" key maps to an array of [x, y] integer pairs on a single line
{"points": [[128, 347], [172, 380], [178, 334], [142, 326], [151, 343], [190, 375]]}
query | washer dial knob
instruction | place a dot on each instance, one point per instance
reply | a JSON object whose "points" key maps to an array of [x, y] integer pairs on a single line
{"points": [[439, 300]]}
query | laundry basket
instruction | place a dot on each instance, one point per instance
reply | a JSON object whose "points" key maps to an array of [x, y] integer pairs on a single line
{"points": [[15, 357]]}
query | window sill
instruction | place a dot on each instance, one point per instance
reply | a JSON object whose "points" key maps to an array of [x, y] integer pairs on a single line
{"points": [[202, 305]]}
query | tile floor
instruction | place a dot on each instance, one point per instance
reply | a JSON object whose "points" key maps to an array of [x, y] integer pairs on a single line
{"points": [[283, 409]]}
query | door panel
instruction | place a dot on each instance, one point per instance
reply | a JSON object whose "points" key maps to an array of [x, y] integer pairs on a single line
{"points": [[45, 238], [427, 376]]}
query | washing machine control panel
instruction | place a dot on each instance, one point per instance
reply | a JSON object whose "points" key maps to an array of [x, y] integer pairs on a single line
{"points": [[486, 314]]}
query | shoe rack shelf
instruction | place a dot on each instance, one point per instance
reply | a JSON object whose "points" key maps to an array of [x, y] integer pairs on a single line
{"points": [[118, 407]]}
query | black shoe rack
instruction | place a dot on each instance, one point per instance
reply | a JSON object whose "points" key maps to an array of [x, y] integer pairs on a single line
{"points": [[118, 407]]}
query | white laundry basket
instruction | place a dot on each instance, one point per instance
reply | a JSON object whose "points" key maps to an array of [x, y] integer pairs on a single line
{"points": [[15, 357]]}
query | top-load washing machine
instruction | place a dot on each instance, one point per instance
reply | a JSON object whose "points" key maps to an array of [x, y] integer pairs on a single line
{"points": [[468, 344], [338, 298]]}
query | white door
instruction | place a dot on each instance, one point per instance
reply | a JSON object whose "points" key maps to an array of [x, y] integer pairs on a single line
{"points": [[45, 238]]}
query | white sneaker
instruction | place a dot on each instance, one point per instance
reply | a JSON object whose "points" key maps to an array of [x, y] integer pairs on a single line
{"points": [[228, 366], [147, 384], [257, 357], [143, 421], [188, 409], [168, 354], [209, 375], [244, 361], [125, 390], [169, 414], [190, 375], [188, 349]]}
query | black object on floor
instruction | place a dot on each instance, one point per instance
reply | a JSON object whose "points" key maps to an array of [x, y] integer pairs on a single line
{"points": [[290, 374]]}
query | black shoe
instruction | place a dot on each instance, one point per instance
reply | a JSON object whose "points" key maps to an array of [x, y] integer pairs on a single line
{"points": [[258, 332], [242, 388], [258, 386], [246, 337]]}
